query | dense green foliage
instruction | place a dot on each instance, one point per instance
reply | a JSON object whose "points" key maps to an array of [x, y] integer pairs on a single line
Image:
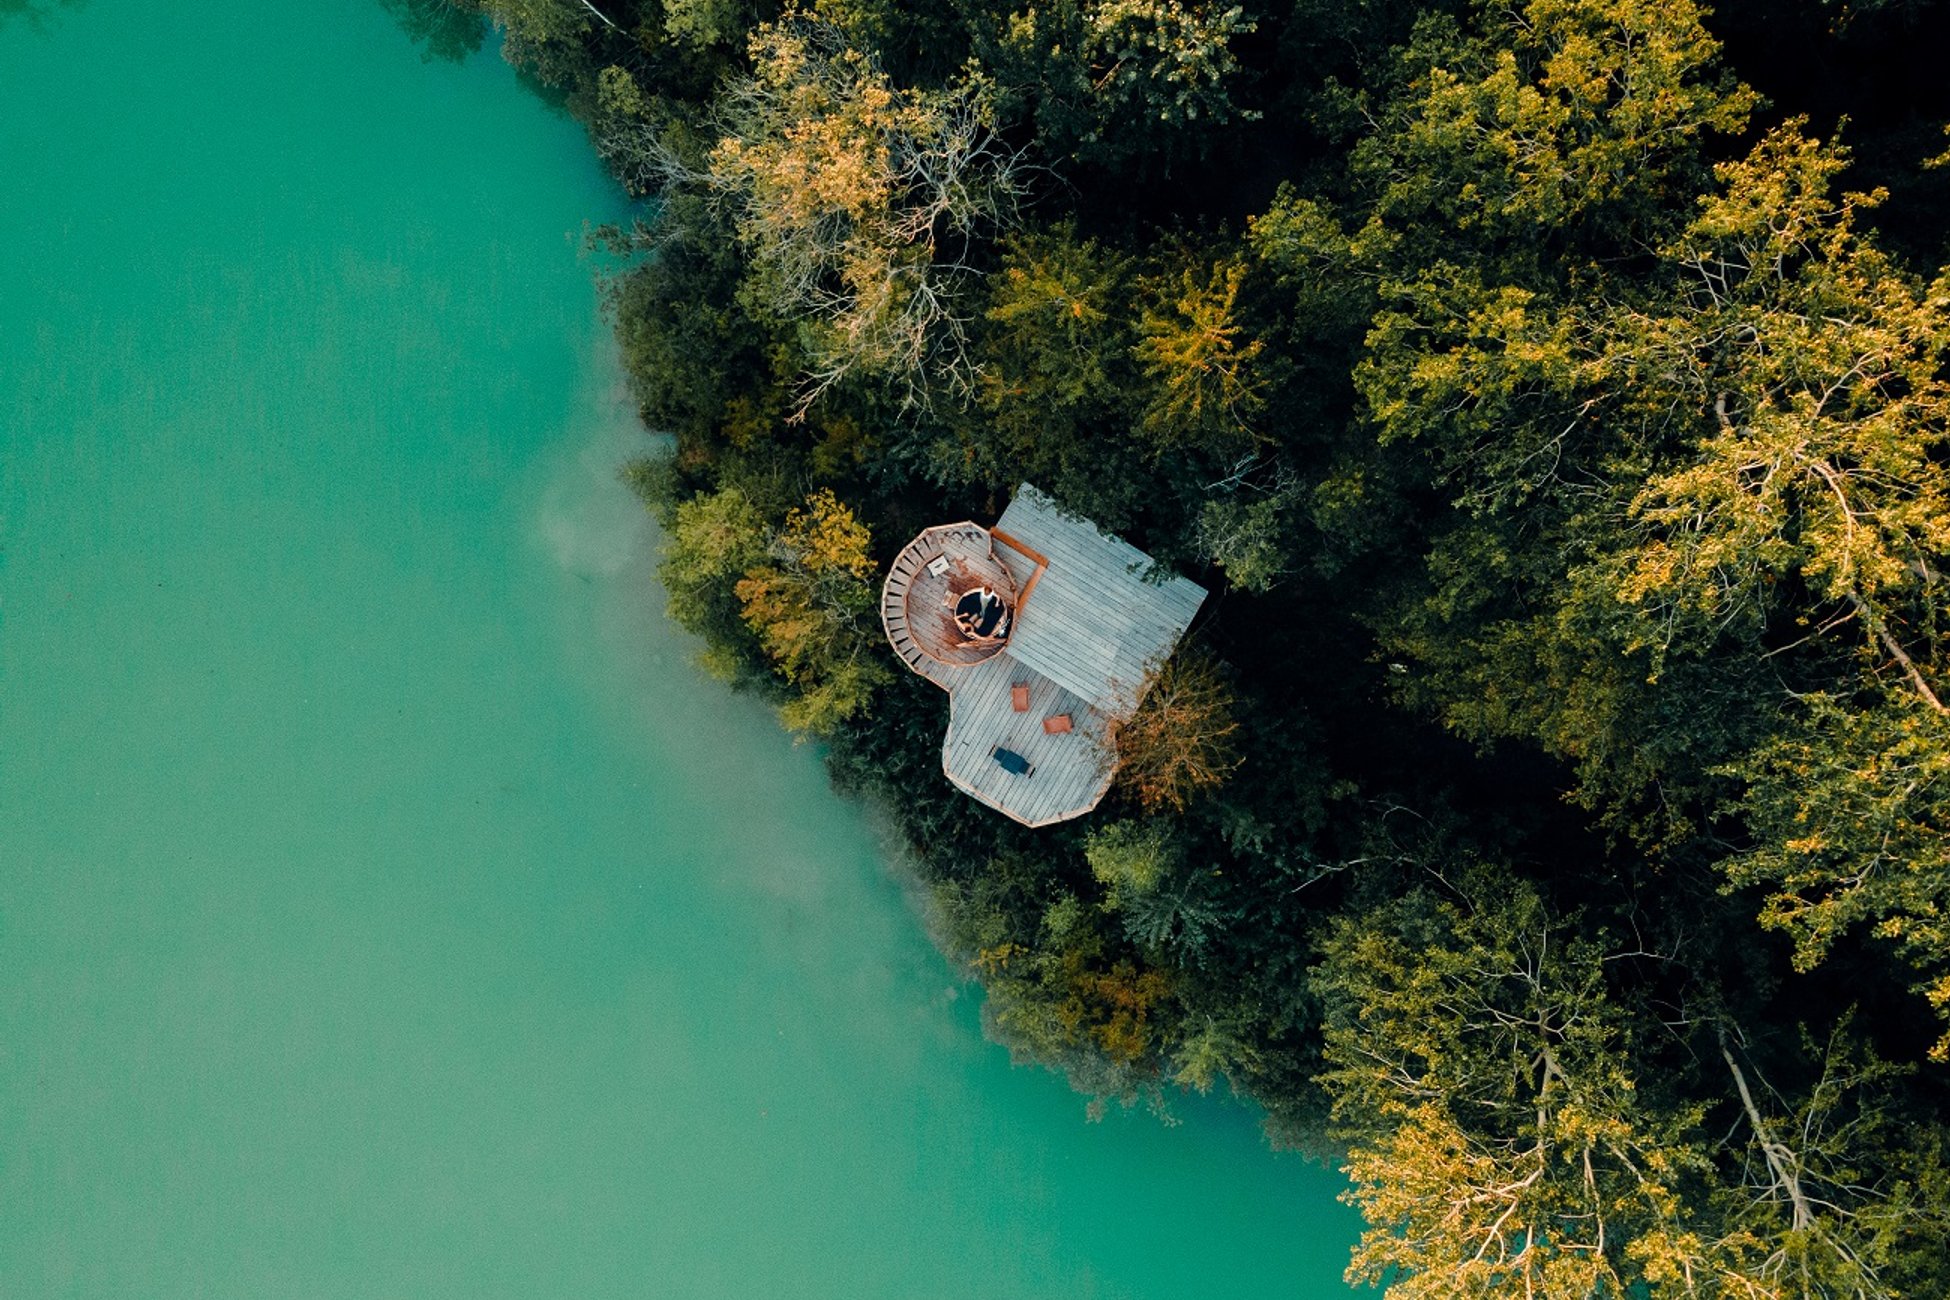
{"points": [[1549, 812]]}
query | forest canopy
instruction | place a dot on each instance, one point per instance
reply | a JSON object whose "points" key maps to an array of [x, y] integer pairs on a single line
{"points": [[1549, 815]]}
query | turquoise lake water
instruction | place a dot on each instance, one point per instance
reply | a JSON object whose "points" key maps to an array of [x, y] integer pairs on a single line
{"points": [[388, 907]]}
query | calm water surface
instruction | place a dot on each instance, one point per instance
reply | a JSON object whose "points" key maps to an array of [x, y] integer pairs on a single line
{"points": [[387, 907]]}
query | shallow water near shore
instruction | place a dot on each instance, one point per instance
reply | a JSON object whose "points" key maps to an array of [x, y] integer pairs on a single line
{"points": [[388, 906]]}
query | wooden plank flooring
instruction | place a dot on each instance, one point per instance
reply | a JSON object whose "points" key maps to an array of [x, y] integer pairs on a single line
{"points": [[1069, 771], [912, 608]]}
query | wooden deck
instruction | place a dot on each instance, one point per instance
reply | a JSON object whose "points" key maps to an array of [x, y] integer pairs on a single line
{"points": [[1088, 630], [914, 603], [1070, 771]]}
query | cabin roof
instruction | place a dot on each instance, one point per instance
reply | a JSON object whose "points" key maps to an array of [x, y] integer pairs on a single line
{"points": [[1091, 621]]}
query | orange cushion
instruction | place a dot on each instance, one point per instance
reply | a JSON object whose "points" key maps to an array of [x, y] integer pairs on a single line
{"points": [[1057, 723], [1019, 697]]}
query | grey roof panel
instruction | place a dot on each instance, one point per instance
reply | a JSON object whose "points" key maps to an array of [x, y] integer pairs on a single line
{"points": [[1092, 623]]}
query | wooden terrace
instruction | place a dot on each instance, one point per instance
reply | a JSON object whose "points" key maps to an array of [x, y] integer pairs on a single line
{"points": [[916, 602], [1033, 703]]}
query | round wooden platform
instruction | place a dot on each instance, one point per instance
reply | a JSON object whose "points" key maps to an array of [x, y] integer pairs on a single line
{"points": [[926, 578]]}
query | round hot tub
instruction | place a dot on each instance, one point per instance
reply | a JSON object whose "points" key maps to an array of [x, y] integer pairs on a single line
{"points": [[981, 614]]}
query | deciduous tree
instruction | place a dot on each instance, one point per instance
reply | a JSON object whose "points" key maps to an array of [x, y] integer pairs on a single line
{"points": [[1541, 112], [1111, 81], [1204, 389], [1053, 388], [1503, 1144], [1179, 741], [809, 605], [1818, 368], [1849, 807], [855, 199]]}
